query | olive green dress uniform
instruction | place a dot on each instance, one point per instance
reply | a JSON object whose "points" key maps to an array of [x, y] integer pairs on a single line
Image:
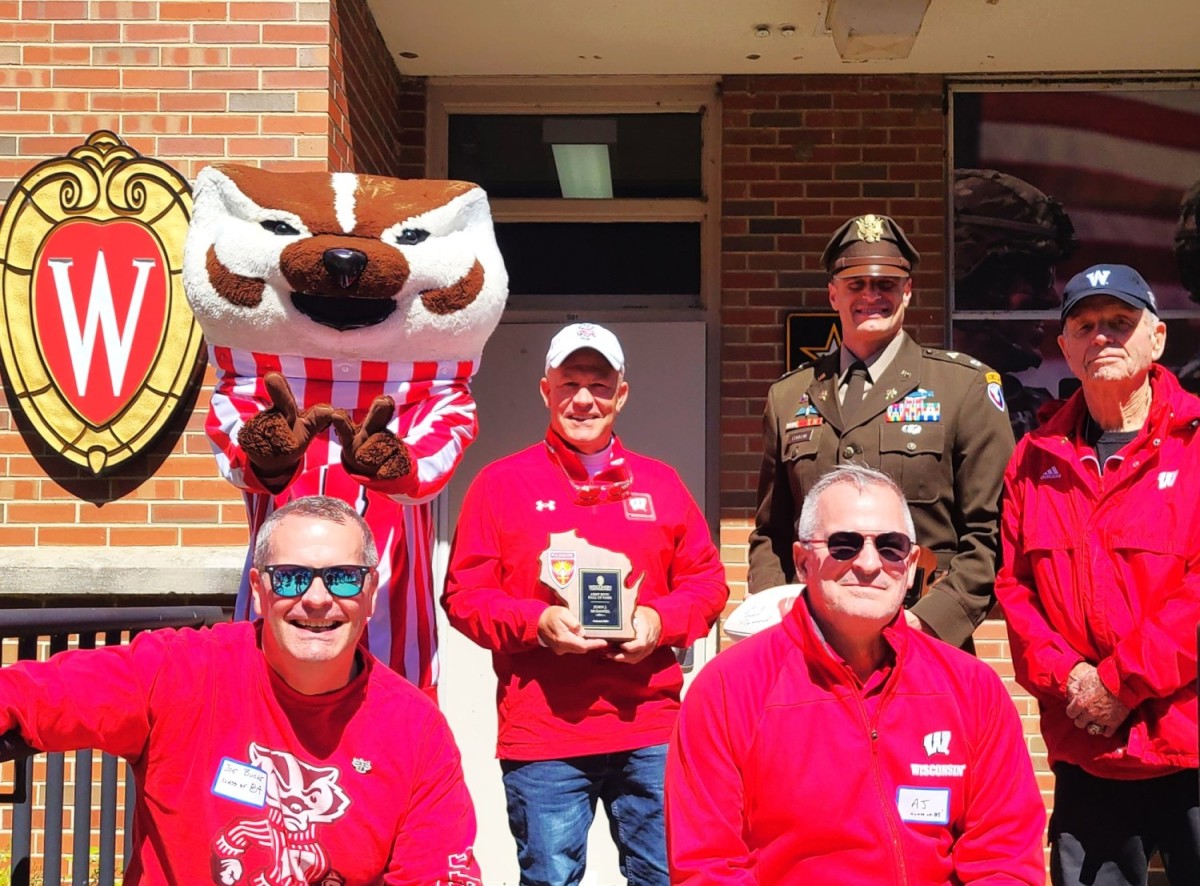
{"points": [[931, 424]]}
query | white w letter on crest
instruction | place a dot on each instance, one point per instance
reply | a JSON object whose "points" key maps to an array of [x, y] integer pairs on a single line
{"points": [[1099, 278], [81, 341]]}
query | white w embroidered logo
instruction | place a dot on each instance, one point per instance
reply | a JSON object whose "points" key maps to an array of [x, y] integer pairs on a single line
{"points": [[81, 341], [937, 743], [1098, 278], [1166, 479]]}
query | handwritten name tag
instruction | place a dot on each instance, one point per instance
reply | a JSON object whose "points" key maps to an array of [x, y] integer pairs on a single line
{"points": [[924, 805], [241, 782]]}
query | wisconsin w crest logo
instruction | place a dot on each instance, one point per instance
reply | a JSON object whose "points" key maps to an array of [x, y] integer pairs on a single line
{"points": [[98, 342], [937, 742]]}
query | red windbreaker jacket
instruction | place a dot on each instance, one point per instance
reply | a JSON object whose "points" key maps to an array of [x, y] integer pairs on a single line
{"points": [[1106, 569], [784, 770]]}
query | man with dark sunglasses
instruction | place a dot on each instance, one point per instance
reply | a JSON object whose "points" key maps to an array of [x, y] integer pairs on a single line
{"points": [[583, 715], [279, 751], [843, 746], [933, 420]]}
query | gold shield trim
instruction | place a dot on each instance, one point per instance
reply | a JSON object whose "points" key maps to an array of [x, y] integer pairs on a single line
{"points": [[102, 180]]}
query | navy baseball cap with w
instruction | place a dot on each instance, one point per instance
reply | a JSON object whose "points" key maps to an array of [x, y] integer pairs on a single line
{"points": [[1120, 281]]}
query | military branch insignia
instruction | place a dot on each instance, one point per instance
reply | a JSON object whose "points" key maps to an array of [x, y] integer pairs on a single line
{"points": [[870, 228], [810, 335], [996, 395], [98, 342]]}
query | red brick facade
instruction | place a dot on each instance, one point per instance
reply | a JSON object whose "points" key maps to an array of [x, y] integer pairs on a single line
{"points": [[290, 84], [378, 116], [187, 83]]}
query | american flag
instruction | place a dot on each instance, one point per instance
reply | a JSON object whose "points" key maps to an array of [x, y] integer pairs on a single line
{"points": [[1119, 161]]}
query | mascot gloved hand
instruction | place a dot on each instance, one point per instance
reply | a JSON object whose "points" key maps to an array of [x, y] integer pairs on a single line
{"points": [[345, 316], [370, 450], [275, 439]]}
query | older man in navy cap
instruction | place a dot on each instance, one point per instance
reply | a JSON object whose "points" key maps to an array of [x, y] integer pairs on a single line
{"points": [[934, 420], [1101, 590]]}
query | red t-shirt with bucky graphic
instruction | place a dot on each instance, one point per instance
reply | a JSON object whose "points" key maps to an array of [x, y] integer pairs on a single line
{"points": [[241, 779]]}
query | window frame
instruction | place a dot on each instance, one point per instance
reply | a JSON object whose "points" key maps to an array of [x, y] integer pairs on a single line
{"points": [[601, 95]]}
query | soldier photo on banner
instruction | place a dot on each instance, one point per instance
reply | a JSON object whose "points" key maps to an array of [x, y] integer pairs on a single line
{"points": [[1008, 237]]}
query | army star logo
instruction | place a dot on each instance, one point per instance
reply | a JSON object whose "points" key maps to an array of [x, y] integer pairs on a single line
{"points": [[833, 341], [870, 228]]}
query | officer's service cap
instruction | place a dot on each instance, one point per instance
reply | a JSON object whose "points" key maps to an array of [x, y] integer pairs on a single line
{"points": [[869, 246]]}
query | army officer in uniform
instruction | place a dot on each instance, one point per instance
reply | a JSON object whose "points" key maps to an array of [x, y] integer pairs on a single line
{"points": [[934, 420]]}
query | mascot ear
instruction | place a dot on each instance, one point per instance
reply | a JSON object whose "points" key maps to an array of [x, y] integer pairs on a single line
{"points": [[214, 289]]}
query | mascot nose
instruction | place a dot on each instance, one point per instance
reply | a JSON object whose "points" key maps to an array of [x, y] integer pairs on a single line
{"points": [[344, 265]]}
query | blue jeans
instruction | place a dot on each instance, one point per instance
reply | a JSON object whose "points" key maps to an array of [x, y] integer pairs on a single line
{"points": [[551, 804]]}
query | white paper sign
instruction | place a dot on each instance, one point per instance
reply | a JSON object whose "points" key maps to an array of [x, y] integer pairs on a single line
{"points": [[924, 805]]}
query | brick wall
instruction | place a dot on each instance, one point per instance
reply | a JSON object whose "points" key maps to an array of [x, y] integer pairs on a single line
{"points": [[188, 83], [800, 155], [378, 115], [308, 85]]}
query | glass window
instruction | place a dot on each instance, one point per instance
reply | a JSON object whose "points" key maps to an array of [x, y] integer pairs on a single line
{"points": [[1051, 181], [614, 258], [644, 156]]}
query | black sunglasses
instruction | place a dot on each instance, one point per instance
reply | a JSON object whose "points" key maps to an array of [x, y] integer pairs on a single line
{"points": [[891, 546], [293, 581]]}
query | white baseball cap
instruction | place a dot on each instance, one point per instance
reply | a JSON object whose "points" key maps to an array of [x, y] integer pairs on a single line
{"points": [[585, 335]]}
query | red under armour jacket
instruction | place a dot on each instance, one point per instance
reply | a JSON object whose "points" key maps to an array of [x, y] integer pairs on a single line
{"points": [[553, 706]]}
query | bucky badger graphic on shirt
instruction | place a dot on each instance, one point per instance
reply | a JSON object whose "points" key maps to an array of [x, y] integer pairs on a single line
{"points": [[345, 316], [299, 798]]}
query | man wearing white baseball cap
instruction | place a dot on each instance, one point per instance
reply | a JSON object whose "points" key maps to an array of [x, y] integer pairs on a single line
{"points": [[578, 564], [1101, 590]]}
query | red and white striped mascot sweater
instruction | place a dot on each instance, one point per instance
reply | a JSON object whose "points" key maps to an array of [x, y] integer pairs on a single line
{"points": [[345, 315]]}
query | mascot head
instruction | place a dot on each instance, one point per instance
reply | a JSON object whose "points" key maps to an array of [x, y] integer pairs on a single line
{"points": [[343, 266]]}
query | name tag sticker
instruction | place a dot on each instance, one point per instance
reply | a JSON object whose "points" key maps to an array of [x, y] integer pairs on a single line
{"points": [[924, 805], [241, 782]]}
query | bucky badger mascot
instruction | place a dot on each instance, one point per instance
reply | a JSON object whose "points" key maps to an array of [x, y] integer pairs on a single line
{"points": [[345, 316]]}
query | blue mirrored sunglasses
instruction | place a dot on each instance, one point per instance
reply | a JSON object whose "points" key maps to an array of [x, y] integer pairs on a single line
{"points": [[293, 581]]}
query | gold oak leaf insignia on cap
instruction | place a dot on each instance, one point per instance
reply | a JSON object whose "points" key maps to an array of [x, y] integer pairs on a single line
{"points": [[870, 228]]}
